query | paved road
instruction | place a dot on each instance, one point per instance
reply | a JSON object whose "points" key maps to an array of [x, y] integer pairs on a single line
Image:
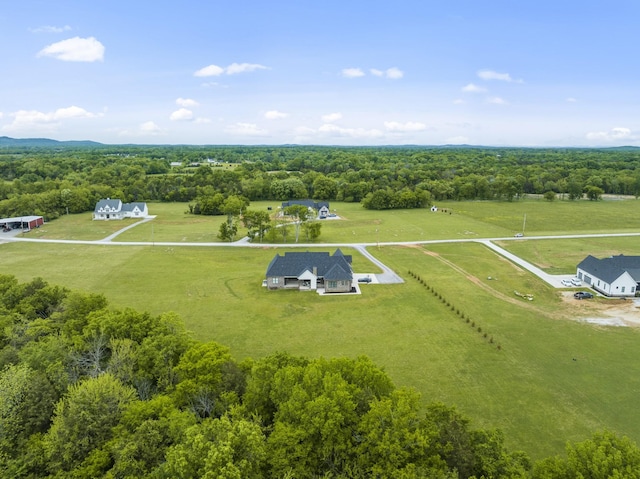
{"points": [[387, 276]]}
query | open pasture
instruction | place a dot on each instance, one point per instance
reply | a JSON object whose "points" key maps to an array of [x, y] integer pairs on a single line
{"points": [[460, 220], [561, 256], [78, 227], [552, 380]]}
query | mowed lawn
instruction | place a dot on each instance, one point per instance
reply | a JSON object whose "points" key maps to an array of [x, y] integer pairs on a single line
{"points": [[552, 380], [562, 256], [454, 220]]}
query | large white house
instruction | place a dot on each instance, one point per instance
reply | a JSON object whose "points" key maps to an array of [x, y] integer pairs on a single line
{"points": [[617, 276], [116, 210]]}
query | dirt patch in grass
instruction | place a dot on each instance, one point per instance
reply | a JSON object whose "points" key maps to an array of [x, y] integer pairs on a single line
{"points": [[605, 312]]}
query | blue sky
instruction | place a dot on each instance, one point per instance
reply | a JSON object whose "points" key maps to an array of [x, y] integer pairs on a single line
{"points": [[350, 72]]}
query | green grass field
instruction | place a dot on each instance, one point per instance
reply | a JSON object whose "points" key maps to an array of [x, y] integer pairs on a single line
{"points": [[468, 220], [531, 388]]}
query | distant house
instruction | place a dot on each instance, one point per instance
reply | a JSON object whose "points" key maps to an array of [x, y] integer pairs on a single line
{"points": [[116, 210], [617, 276], [321, 207], [311, 271]]}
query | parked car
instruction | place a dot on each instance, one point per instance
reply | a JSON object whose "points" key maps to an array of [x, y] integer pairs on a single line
{"points": [[518, 235], [576, 281], [566, 282], [582, 295], [364, 279]]}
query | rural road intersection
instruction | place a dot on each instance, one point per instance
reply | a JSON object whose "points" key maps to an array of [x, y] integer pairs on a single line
{"points": [[387, 276]]}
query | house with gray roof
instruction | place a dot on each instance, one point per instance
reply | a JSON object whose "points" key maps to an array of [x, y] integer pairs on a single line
{"points": [[321, 207], [311, 271], [615, 276], [116, 210]]}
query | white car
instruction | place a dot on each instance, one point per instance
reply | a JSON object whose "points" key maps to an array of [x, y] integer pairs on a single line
{"points": [[566, 282], [518, 235], [576, 282]]}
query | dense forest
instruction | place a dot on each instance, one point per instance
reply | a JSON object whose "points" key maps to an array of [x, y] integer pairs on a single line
{"points": [[88, 391], [51, 182]]}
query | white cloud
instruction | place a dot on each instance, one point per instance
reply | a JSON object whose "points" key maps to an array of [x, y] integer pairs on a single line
{"points": [[183, 114], [394, 73], [491, 75], [50, 29], [352, 73], [234, 68], [404, 127], [496, 100], [150, 128], [391, 73], [209, 71], [275, 115], [75, 50], [186, 102], [243, 68], [331, 117], [202, 120], [472, 88], [34, 119], [246, 129], [72, 112], [571, 100], [329, 129], [614, 134]]}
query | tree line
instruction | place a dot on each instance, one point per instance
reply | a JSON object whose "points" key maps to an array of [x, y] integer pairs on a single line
{"points": [[89, 391], [51, 182]]}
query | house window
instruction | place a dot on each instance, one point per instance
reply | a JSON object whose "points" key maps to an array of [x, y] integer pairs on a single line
{"points": [[333, 284], [274, 280], [622, 291]]}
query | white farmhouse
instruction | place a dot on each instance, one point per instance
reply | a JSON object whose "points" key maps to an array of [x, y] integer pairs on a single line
{"points": [[617, 276], [116, 210]]}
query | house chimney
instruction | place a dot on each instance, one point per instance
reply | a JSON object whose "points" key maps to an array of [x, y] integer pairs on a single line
{"points": [[315, 271]]}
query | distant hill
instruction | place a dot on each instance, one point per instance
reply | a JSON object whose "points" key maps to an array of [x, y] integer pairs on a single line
{"points": [[5, 141]]}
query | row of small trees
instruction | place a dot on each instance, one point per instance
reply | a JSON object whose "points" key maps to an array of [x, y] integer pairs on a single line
{"points": [[466, 318]]}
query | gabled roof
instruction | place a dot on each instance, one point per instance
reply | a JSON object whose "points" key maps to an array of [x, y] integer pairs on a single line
{"points": [[293, 264], [132, 206], [337, 273], [114, 205], [610, 269]]}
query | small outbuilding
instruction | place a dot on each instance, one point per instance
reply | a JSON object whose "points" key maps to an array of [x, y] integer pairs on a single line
{"points": [[615, 276], [23, 222]]}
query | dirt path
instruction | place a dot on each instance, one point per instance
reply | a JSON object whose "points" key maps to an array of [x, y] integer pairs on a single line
{"points": [[475, 280]]}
